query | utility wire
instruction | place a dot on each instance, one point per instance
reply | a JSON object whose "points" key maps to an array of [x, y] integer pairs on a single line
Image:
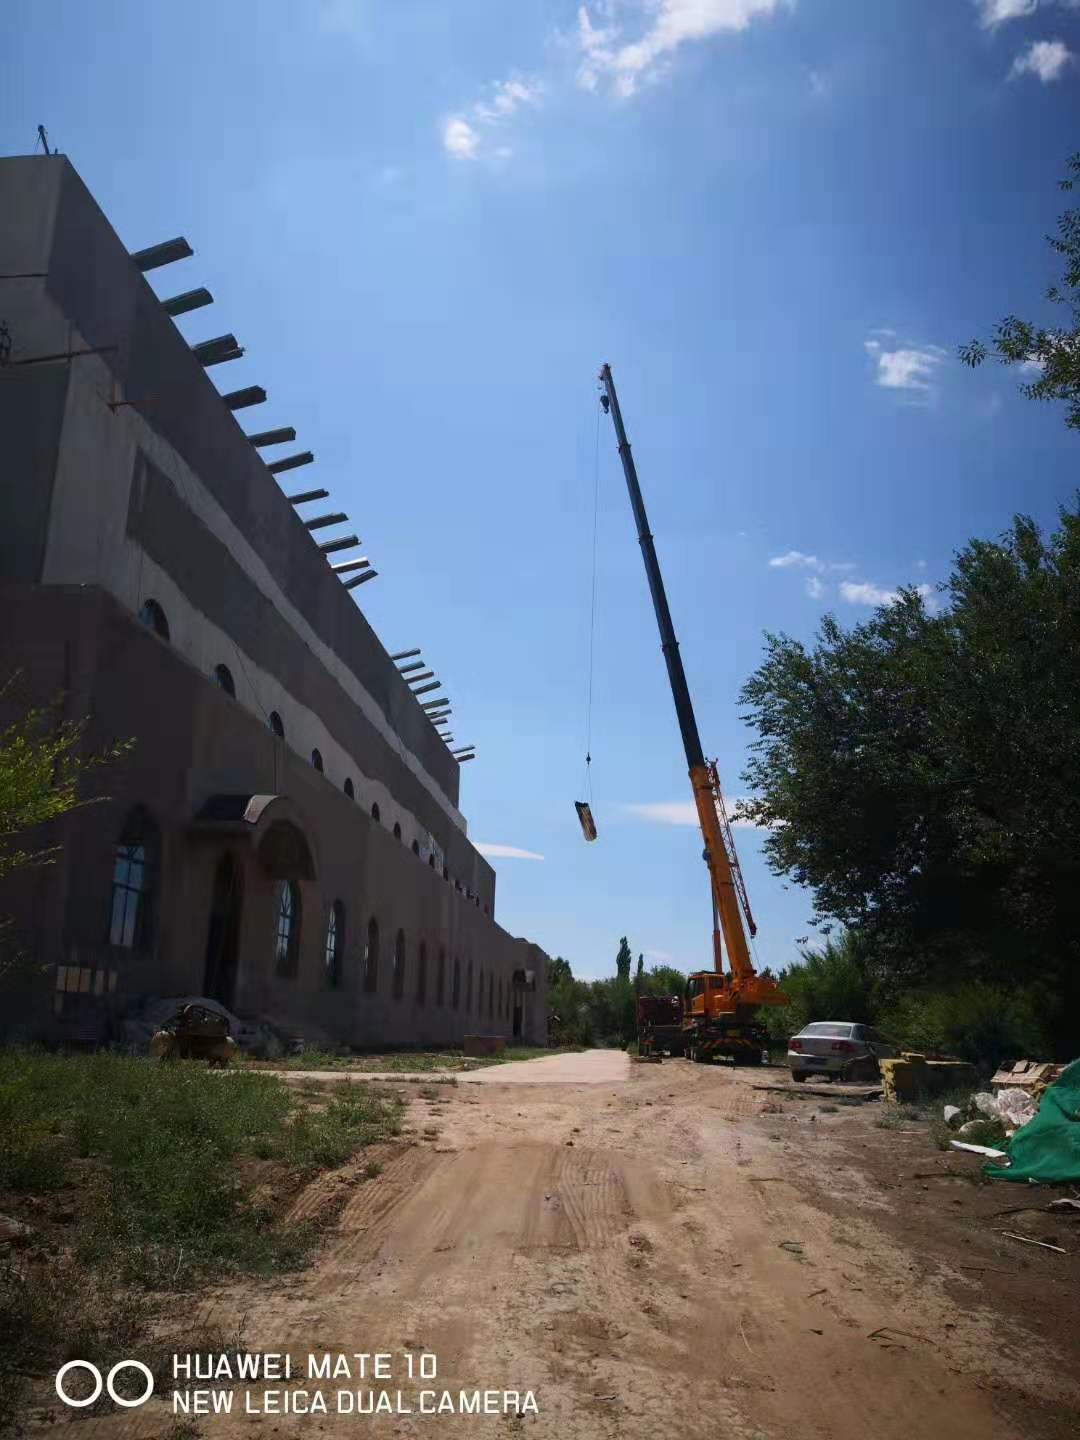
{"points": [[587, 780]]}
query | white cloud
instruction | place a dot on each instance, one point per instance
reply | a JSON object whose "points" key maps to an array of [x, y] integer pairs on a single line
{"points": [[920, 564], [1030, 367], [814, 588], [796, 559], [463, 133], [1045, 58], [819, 85], [605, 52], [460, 139], [343, 17], [996, 12], [677, 812], [864, 592], [507, 852], [841, 565], [904, 367]]}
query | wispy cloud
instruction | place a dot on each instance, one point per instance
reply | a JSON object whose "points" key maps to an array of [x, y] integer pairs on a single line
{"points": [[676, 812], [465, 132], [865, 592], [814, 588], [507, 852], [344, 17], [607, 53], [1048, 59], [662, 957], [796, 559], [993, 13], [900, 366]]}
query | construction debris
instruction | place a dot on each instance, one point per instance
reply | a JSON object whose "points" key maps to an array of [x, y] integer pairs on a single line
{"points": [[1033, 1075], [914, 1076], [1047, 1148]]}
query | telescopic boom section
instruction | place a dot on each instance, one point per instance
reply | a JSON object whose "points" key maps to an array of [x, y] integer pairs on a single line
{"points": [[727, 889]]}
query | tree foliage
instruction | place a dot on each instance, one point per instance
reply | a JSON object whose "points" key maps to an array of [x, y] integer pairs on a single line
{"points": [[623, 960], [43, 767], [920, 773], [603, 1012], [1052, 353]]}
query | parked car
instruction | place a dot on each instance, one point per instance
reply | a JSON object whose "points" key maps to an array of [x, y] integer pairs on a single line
{"points": [[838, 1048]]}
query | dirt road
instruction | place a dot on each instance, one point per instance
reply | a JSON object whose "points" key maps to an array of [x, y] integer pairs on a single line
{"points": [[658, 1251]]}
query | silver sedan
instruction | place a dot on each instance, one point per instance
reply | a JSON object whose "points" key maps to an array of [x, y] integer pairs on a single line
{"points": [[838, 1048]]}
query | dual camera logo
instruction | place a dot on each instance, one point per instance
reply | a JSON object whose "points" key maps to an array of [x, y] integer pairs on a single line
{"points": [[107, 1382]]}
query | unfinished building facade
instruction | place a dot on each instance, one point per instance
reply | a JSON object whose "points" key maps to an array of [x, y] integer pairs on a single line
{"points": [[284, 833]]}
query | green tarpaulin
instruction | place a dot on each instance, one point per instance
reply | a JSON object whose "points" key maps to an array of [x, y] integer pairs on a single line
{"points": [[1048, 1148]]}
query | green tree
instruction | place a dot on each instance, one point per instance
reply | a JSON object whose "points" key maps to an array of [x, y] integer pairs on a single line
{"points": [[1051, 352], [623, 960], [920, 773], [43, 769], [639, 974]]}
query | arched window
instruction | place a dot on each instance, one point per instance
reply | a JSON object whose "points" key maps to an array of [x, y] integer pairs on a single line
{"points": [[316, 761], [468, 989], [153, 617], [399, 965], [350, 790], [371, 957], [456, 992], [287, 928], [224, 681], [416, 847], [335, 944], [134, 886], [421, 975], [440, 980], [277, 725], [397, 831], [375, 812]]}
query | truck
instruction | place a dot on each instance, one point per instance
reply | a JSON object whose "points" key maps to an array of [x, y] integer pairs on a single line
{"points": [[660, 1024]]}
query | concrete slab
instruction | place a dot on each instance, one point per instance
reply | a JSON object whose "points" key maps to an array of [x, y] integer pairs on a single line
{"points": [[590, 1067]]}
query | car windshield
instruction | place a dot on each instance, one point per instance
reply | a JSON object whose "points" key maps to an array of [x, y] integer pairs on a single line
{"points": [[829, 1029]]}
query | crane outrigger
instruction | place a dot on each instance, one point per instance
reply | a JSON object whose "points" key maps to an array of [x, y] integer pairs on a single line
{"points": [[720, 1008]]}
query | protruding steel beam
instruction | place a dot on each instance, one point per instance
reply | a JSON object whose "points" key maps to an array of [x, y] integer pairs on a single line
{"points": [[344, 566], [305, 457], [344, 542], [404, 654], [416, 665], [216, 351], [241, 399], [306, 495], [434, 704], [164, 254], [462, 758], [431, 685], [273, 437], [464, 748], [320, 522], [189, 300], [424, 675], [360, 579]]}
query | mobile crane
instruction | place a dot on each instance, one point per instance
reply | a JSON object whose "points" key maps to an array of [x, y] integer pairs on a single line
{"points": [[720, 1010]]}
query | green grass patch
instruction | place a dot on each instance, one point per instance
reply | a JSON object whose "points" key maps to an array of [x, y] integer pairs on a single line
{"points": [[158, 1154], [167, 1176], [412, 1062], [896, 1117]]}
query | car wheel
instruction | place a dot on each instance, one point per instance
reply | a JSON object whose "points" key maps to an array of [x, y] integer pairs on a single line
{"points": [[798, 1076]]}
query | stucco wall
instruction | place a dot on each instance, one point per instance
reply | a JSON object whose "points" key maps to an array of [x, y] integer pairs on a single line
{"points": [[192, 741]]}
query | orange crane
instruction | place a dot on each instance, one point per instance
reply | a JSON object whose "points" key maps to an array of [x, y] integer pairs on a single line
{"points": [[720, 1011]]}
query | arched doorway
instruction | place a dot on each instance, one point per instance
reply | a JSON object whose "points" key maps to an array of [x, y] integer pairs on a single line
{"points": [[223, 932]]}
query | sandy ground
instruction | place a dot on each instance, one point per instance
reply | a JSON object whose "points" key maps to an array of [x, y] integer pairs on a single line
{"points": [[655, 1250]]}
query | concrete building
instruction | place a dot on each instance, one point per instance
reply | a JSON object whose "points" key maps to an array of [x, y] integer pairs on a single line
{"points": [[285, 833]]}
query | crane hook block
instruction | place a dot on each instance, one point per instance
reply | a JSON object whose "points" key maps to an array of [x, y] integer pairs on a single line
{"points": [[584, 815]]}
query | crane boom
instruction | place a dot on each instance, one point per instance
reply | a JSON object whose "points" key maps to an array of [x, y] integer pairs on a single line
{"points": [[728, 889]]}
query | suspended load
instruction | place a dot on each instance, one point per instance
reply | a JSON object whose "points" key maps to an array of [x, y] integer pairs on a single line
{"points": [[584, 815]]}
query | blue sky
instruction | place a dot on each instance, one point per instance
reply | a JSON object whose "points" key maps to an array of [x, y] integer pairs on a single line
{"points": [[430, 223]]}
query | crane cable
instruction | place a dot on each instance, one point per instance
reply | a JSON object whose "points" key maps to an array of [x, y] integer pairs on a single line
{"points": [[587, 777]]}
